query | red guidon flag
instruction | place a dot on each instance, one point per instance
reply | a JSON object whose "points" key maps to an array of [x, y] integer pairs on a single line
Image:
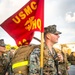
{"points": [[21, 25]]}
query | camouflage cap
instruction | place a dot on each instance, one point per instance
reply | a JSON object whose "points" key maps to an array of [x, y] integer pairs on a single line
{"points": [[52, 29], [2, 43]]}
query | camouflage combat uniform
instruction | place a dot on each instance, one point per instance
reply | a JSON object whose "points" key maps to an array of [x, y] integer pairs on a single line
{"points": [[63, 66], [62, 69], [3, 63], [49, 67], [34, 65]]}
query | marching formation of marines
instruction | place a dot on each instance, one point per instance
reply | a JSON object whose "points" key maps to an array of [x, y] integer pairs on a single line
{"points": [[56, 62]]}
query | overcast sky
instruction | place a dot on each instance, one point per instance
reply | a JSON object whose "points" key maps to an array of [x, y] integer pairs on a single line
{"points": [[59, 12]]}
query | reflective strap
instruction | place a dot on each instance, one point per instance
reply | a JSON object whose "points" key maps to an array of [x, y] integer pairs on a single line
{"points": [[19, 64]]}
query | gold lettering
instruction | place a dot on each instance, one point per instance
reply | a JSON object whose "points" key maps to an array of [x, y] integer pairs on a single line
{"points": [[24, 40], [28, 27], [29, 23], [28, 10], [39, 23], [26, 43], [16, 19], [30, 20], [33, 5], [22, 15], [19, 43], [34, 24]]}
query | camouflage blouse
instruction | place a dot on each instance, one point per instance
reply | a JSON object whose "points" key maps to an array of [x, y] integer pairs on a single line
{"points": [[49, 64], [3, 63]]}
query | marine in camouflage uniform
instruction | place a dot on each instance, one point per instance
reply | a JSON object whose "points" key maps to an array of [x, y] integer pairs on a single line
{"points": [[49, 67], [49, 63], [63, 66], [3, 63], [3, 60]]}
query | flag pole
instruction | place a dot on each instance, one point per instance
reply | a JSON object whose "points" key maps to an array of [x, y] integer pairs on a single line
{"points": [[42, 38], [41, 53]]}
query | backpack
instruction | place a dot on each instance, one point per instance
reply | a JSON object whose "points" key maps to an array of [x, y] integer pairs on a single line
{"points": [[20, 59]]}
